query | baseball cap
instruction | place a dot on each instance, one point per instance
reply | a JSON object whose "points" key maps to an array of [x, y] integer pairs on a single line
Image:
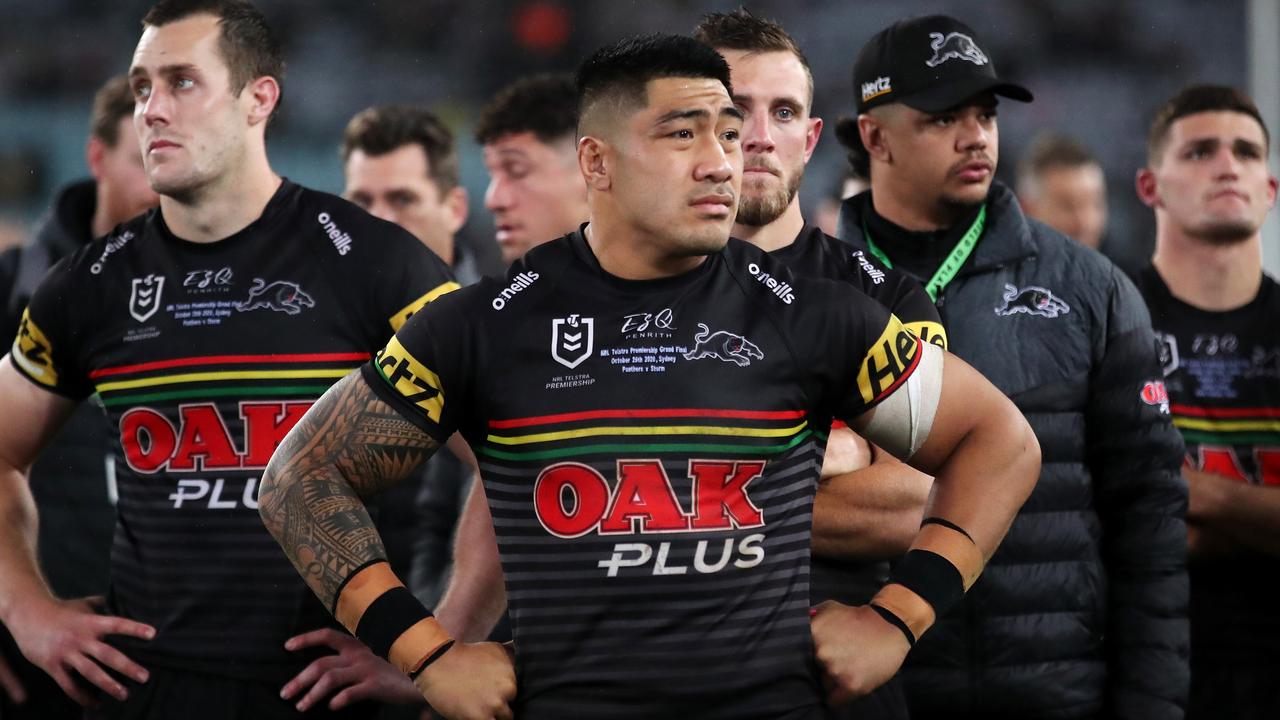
{"points": [[929, 63]]}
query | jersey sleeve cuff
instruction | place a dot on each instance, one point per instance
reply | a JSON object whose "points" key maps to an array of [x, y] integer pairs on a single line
{"points": [[397, 401]]}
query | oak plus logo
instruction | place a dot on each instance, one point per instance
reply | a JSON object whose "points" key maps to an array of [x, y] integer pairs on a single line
{"points": [[201, 442], [572, 500], [144, 298], [572, 339]]}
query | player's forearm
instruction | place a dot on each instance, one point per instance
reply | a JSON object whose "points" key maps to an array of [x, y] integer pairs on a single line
{"points": [[1248, 514], [476, 597], [349, 445], [988, 476], [870, 514], [21, 583]]}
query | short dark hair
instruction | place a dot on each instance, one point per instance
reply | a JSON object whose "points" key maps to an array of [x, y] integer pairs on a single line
{"points": [[248, 46], [1194, 100], [620, 72], [740, 30], [383, 128], [1052, 151], [545, 105], [112, 103]]}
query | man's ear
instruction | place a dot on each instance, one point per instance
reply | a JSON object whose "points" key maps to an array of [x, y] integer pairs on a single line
{"points": [[455, 209], [595, 162], [95, 153], [264, 94], [1148, 189], [871, 130]]}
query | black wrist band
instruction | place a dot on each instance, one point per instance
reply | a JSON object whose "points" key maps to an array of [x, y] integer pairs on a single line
{"points": [[948, 524], [430, 659], [897, 622], [932, 577], [387, 617]]}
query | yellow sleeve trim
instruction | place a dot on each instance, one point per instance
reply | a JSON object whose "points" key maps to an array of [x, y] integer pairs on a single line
{"points": [[402, 316]]}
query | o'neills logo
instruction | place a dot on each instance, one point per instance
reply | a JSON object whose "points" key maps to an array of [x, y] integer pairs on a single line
{"points": [[340, 240], [520, 282], [873, 272], [778, 287]]}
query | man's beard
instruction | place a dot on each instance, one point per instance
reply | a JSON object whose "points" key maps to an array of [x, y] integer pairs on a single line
{"points": [[758, 211], [1225, 233]]}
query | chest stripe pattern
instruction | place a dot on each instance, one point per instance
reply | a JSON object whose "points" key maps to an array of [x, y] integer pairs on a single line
{"points": [[283, 382], [742, 429]]}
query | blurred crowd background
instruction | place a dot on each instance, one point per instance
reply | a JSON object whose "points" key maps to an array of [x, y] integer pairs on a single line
{"points": [[1098, 69]]}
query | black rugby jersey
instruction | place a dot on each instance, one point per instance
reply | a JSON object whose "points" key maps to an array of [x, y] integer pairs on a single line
{"points": [[818, 255], [1222, 378], [205, 355], [650, 451]]}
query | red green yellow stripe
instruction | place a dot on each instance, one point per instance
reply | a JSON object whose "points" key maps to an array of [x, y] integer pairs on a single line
{"points": [[626, 414], [218, 376], [306, 391], [622, 430], [1203, 412], [580, 450], [230, 360]]}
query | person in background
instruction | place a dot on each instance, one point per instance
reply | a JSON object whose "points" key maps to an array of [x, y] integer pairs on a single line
{"points": [[1211, 186], [1061, 184], [71, 481], [1082, 612]]}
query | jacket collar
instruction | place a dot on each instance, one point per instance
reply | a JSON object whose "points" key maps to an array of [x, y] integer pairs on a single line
{"points": [[1005, 239]]}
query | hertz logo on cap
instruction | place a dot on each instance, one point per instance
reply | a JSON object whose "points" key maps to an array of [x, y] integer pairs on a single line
{"points": [[876, 88], [411, 379]]}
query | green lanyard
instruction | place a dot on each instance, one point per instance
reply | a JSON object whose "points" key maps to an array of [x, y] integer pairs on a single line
{"points": [[951, 265]]}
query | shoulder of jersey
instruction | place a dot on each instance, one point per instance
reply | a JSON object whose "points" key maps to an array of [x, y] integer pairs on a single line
{"points": [[95, 258], [528, 278], [770, 279], [347, 228]]}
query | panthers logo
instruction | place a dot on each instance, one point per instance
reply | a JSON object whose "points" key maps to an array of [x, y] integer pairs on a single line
{"points": [[1032, 301], [282, 295], [956, 46], [724, 346]]}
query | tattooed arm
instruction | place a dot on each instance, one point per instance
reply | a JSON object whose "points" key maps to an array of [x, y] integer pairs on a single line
{"points": [[348, 446]]}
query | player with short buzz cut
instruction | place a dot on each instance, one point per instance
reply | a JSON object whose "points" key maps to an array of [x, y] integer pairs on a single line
{"points": [[1082, 612], [1211, 186], [527, 135], [207, 327], [653, 518]]}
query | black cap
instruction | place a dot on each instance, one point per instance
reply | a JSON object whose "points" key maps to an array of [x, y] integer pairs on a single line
{"points": [[930, 63]]}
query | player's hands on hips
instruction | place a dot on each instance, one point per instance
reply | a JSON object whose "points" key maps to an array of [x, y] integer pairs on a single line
{"points": [[354, 672], [65, 638], [472, 681], [858, 650]]}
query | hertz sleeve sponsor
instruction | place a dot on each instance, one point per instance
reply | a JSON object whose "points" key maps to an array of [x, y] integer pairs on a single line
{"points": [[930, 332], [31, 350], [403, 314], [889, 361], [411, 379]]}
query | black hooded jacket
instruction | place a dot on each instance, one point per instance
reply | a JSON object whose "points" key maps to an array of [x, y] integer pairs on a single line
{"points": [[1081, 613]]}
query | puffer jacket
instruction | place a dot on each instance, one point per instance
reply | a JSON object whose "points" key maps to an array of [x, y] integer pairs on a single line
{"points": [[1082, 611]]}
